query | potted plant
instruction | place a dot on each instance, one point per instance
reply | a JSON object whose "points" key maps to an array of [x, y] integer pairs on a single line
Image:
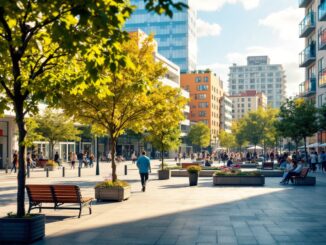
{"points": [[109, 190], [164, 172], [193, 174], [50, 165], [20, 230]]}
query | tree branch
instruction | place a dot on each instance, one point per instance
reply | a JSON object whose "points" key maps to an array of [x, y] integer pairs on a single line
{"points": [[9, 93]]}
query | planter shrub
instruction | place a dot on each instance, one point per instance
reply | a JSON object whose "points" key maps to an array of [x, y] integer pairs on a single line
{"points": [[112, 191]]}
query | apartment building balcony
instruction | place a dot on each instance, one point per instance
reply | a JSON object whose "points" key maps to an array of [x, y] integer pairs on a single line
{"points": [[304, 3], [307, 25], [308, 87], [322, 39], [308, 55], [322, 11]]}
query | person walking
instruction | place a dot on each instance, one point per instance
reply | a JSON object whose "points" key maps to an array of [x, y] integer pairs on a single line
{"points": [[91, 160], [323, 161], [313, 161], [56, 158], [14, 162], [144, 166], [133, 158]]}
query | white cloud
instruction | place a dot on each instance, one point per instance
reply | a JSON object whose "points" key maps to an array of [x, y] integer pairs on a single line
{"points": [[207, 29], [213, 5], [283, 22]]}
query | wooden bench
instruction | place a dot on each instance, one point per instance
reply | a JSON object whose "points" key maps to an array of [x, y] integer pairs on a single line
{"points": [[268, 165], [58, 195], [303, 179]]}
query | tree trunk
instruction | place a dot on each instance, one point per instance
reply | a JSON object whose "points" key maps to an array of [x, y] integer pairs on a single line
{"points": [[21, 153], [162, 152], [51, 147], [114, 166]]}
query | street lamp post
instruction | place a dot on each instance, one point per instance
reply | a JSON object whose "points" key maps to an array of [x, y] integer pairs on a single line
{"points": [[97, 157]]}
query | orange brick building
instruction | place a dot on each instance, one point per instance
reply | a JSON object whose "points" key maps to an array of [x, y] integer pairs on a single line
{"points": [[206, 92]]}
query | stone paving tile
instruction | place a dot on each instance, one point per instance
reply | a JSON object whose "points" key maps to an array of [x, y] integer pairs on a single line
{"points": [[226, 239], [242, 240], [171, 213]]}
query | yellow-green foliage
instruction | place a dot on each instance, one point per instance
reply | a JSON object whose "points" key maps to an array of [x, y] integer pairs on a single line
{"points": [[110, 183], [51, 163], [193, 169]]}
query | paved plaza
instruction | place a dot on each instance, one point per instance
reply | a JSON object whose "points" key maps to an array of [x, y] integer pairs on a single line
{"points": [[171, 212]]}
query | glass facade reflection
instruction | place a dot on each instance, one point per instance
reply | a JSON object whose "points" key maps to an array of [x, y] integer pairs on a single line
{"points": [[176, 37]]}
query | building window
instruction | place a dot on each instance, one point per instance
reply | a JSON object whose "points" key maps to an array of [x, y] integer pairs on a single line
{"points": [[202, 87], [200, 96], [205, 121], [206, 79], [203, 105], [198, 79], [202, 113]]}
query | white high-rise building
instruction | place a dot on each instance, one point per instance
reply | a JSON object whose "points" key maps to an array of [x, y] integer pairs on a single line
{"points": [[261, 76]]}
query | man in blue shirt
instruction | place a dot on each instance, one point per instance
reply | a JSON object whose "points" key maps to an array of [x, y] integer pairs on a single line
{"points": [[144, 166]]}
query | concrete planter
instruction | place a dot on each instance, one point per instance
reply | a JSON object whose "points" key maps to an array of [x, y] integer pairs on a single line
{"points": [[22, 230], [239, 180], [163, 174], [116, 193], [193, 179]]}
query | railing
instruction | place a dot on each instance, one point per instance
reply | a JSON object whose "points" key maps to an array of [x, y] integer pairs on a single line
{"points": [[307, 25], [322, 11], [308, 55]]}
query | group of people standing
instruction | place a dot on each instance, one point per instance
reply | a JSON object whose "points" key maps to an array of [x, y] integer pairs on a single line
{"points": [[84, 159]]}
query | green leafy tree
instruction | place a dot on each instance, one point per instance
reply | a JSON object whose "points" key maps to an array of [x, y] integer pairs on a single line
{"points": [[134, 98], [164, 129], [258, 126], [32, 134], [239, 134], [298, 120], [199, 134], [38, 39], [55, 127], [227, 140]]}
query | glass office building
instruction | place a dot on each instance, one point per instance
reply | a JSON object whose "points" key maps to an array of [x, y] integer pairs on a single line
{"points": [[176, 37]]}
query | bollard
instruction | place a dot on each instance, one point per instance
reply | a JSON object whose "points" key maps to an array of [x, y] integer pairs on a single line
{"points": [[126, 170], [28, 171], [63, 171], [79, 171], [47, 172], [6, 168]]}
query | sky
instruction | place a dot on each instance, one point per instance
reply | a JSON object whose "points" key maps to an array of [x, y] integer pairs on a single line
{"points": [[230, 30]]}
